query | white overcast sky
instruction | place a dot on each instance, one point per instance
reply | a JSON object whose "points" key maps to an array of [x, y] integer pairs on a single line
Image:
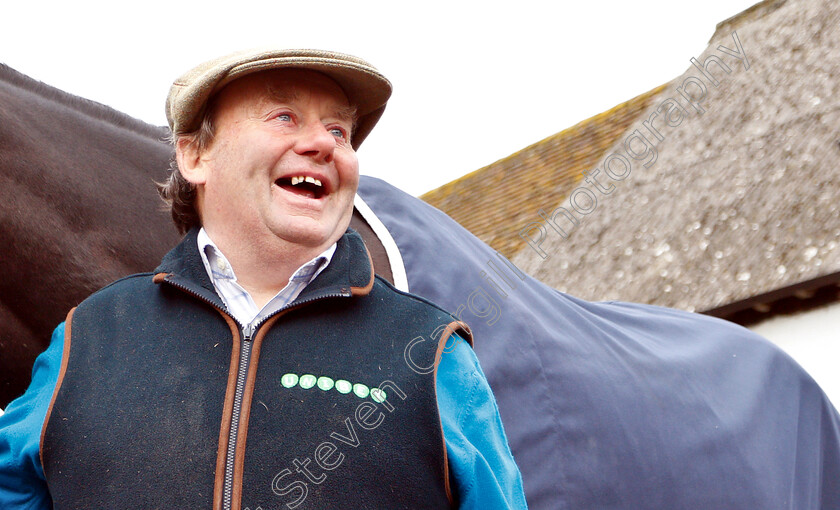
{"points": [[473, 81]]}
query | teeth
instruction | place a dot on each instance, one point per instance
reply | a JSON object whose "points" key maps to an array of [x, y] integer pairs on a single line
{"points": [[300, 179]]}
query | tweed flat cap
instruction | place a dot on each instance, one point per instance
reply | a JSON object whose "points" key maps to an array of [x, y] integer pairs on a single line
{"points": [[366, 88]]}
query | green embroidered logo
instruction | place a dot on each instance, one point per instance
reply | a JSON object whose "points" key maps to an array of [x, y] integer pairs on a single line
{"points": [[308, 381]]}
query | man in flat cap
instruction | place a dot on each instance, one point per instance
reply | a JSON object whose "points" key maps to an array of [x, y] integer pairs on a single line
{"points": [[263, 364]]}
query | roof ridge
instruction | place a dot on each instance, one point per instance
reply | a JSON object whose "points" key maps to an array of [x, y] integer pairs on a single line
{"points": [[557, 162], [590, 120]]}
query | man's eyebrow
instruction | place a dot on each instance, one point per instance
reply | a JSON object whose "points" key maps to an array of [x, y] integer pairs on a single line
{"points": [[282, 95], [343, 113], [347, 114]]}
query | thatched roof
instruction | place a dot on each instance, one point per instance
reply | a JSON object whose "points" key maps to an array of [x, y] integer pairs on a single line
{"points": [[743, 199]]}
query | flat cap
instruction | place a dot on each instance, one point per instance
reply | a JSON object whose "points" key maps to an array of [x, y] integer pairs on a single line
{"points": [[366, 88]]}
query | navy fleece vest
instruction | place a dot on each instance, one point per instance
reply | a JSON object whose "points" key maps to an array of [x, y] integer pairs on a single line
{"points": [[332, 414]]}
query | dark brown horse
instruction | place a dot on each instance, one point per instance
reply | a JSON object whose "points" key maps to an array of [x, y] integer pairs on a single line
{"points": [[78, 210]]}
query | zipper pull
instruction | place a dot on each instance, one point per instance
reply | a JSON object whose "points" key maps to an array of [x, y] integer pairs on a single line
{"points": [[248, 331]]}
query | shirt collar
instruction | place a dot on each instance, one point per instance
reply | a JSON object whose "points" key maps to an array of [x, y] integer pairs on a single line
{"points": [[218, 267]]}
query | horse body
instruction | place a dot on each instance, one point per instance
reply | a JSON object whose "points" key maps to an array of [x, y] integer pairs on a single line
{"points": [[78, 210]]}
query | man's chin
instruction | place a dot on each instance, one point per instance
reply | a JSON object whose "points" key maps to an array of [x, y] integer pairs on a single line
{"points": [[312, 237]]}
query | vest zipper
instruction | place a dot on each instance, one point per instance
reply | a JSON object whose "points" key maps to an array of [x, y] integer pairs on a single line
{"points": [[241, 377]]}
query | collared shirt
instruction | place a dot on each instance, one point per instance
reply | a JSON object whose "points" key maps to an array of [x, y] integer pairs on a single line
{"points": [[239, 302]]}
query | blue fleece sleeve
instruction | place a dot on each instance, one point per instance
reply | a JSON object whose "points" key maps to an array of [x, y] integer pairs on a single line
{"points": [[480, 462], [22, 483]]}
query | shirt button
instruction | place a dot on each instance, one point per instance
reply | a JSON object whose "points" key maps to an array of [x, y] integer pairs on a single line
{"points": [[221, 264]]}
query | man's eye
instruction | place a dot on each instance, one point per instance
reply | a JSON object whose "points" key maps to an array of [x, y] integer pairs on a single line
{"points": [[338, 132], [285, 117]]}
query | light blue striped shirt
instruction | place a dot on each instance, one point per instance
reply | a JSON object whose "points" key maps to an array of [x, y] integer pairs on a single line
{"points": [[239, 302]]}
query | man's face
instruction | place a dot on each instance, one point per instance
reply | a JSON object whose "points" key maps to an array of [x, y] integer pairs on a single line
{"points": [[281, 163]]}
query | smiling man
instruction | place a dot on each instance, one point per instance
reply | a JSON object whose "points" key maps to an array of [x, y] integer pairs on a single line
{"points": [[262, 364], [276, 188]]}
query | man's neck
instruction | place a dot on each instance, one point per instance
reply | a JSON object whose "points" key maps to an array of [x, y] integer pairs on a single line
{"points": [[263, 267]]}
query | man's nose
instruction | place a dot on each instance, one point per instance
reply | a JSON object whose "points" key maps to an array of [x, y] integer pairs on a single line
{"points": [[316, 141]]}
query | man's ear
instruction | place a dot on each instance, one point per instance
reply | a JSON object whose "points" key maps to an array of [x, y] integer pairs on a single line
{"points": [[190, 163]]}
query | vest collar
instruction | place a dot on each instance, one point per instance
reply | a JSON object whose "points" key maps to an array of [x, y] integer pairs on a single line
{"points": [[350, 272]]}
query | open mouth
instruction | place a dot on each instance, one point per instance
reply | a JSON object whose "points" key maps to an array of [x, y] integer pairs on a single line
{"points": [[306, 186]]}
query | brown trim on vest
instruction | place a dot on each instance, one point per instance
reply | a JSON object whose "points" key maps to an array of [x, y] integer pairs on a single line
{"points": [[245, 412], [65, 359], [460, 326], [160, 277], [364, 291], [451, 329], [227, 412]]}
